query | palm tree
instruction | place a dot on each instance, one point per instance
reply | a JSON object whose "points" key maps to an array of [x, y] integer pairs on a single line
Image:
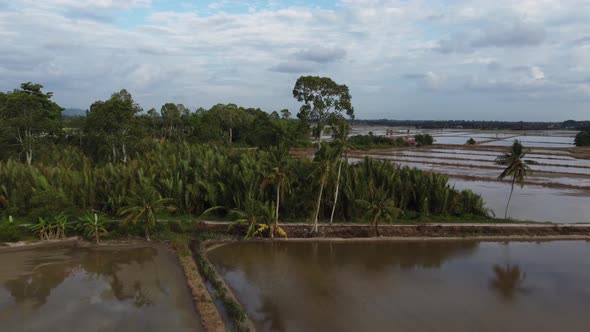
{"points": [[516, 168], [341, 130], [93, 225], [257, 216], [507, 280], [325, 161], [143, 206], [379, 207], [278, 163]]}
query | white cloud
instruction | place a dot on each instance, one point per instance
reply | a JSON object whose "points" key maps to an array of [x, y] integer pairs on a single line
{"points": [[389, 52], [536, 73]]}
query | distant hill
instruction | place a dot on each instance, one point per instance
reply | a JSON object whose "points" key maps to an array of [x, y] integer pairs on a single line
{"points": [[68, 112]]}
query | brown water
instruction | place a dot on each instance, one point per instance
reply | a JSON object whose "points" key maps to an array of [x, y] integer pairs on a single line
{"points": [[410, 286], [83, 289]]}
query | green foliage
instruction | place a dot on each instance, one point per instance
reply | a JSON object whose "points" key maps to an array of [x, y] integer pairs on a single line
{"points": [[365, 142], [8, 232], [470, 141], [52, 228], [424, 139], [583, 138], [93, 226], [236, 313], [144, 204], [324, 102], [28, 117]]}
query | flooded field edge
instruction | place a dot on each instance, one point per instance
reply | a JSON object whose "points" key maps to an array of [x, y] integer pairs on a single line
{"points": [[228, 308], [210, 245], [536, 230], [203, 306]]}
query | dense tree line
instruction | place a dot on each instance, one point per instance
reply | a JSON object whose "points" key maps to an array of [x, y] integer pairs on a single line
{"points": [[123, 162]]}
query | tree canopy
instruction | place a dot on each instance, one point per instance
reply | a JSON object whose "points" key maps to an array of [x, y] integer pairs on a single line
{"points": [[324, 101]]}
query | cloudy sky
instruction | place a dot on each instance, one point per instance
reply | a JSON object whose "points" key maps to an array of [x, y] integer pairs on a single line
{"points": [[491, 60]]}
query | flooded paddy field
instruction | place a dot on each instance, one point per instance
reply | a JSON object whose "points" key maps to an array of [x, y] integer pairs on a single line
{"points": [[410, 286], [70, 288], [533, 202], [557, 188]]}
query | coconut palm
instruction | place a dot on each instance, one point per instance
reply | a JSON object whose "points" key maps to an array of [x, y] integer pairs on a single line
{"points": [[515, 167], [278, 163], [257, 216], [144, 205], [324, 158], [379, 207], [507, 280], [93, 225], [341, 130]]}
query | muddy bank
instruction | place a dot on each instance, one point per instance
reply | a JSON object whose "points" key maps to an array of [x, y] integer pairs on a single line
{"points": [[451, 230]]}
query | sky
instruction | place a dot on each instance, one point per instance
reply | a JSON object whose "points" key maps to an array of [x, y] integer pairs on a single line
{"points": [[474, 60]]}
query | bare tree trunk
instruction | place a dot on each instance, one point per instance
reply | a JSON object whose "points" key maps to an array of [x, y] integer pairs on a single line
{"points": [[124, 150], [114, 153], [29, 154], [317, 211], [509, 198], [231, 134], [96, 235], [320, 137], [376, 226], [272, 229], [336, 193]]}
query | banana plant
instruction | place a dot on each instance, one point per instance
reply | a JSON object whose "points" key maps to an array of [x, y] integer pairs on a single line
{"points": [[92, 225]]}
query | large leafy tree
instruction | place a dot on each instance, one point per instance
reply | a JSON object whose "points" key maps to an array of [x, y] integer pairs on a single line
{"points": [[112, 124], [516, 168], [173, 121], [323, 101], [28, 117]]}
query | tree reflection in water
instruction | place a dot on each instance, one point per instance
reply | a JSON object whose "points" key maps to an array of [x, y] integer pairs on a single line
{"points": [[108, 265], [508, 280]]}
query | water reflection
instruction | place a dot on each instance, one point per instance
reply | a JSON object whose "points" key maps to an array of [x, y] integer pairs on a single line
{"points": [[409, 286], [36, 285], [508, 280], [113, 289]]}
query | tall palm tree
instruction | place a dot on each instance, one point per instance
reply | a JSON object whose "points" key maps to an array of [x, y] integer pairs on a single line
{"points": [[515, 167], [341, 130], [144, 205], [325, 163], [278, 165], [379, 207]]}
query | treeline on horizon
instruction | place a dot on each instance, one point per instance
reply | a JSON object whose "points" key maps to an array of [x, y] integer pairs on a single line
{"points": [[476, 124], [134, 165]]}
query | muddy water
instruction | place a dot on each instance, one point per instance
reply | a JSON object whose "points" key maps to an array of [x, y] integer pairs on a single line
{"points": [[532, 202], [410, 286], [82, 289]]}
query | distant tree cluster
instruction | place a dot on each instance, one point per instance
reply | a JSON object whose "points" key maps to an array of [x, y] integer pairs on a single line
{"points": [[487, 125], [424, 139], [583, 138]]}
